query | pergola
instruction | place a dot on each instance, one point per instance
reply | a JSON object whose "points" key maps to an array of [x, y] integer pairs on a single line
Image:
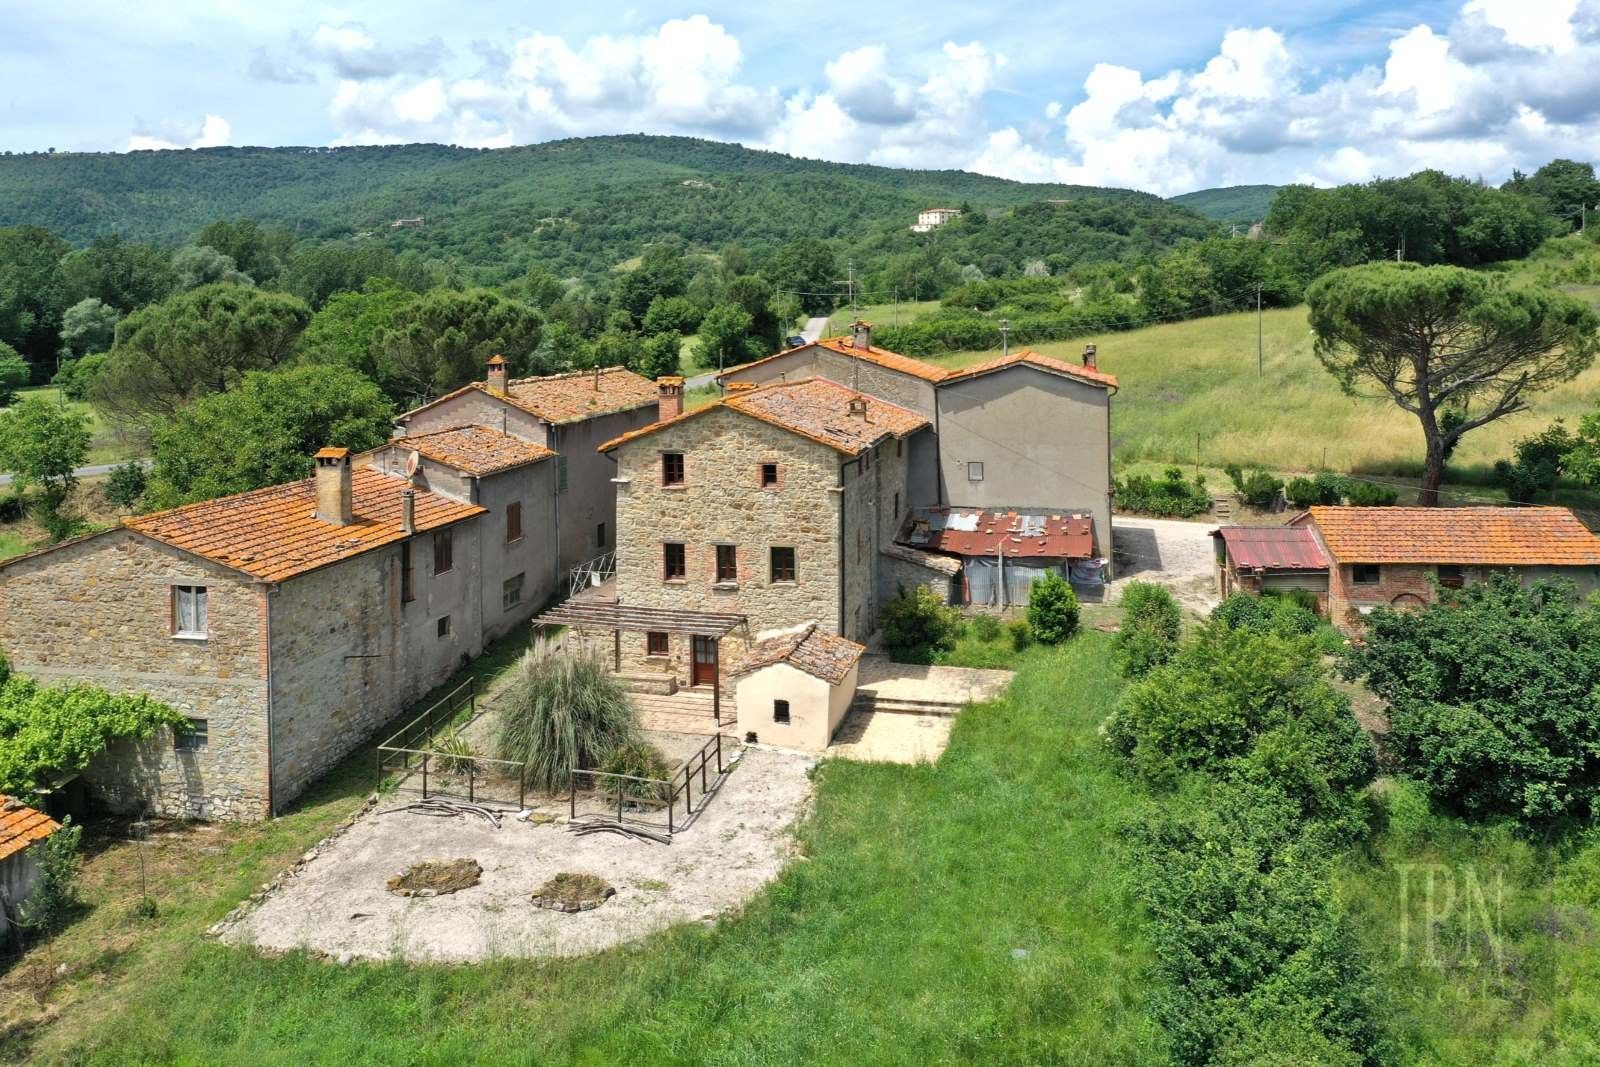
{"points": [[609, 615]]}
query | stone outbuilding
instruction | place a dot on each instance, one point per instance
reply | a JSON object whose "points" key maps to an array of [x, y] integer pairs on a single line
{"points": [[795, 686], [21, 830]]}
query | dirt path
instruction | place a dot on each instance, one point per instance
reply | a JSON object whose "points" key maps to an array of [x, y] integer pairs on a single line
{"points": [[1169, 552]]}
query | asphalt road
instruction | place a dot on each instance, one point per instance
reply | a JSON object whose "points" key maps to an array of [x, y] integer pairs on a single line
{"points": [[813, 330], [82, 472]]}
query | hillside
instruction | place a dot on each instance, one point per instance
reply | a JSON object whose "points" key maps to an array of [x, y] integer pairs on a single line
{"points": [[575, 206], [1233, 203]]}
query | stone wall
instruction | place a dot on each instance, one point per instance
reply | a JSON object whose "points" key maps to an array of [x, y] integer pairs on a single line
{"points": [[1402, 583], [896, 572], [476, 407], [99, 611], [533, 555]]}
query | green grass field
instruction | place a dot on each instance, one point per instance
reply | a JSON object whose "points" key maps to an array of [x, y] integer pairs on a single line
{"points": [[879, 315]]}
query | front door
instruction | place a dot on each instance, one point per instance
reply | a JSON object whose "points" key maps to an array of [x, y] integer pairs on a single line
{"points": [[705, 662]]}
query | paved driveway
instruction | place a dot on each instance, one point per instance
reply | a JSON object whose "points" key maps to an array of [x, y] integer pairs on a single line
{"points": [[1170, 552]]}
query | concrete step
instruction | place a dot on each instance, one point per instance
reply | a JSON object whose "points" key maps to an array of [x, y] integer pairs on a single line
{"points": [[867, 701]]}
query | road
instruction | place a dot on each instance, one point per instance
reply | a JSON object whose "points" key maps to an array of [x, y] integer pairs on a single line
{"points": [[813, 330], [83, 472]]}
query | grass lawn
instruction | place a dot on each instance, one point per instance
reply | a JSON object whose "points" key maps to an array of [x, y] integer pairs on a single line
{"points": [[879, 315], [896, 939]]}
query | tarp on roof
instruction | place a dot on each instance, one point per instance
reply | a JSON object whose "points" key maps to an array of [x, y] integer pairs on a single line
{"points": [[1273, 548]]}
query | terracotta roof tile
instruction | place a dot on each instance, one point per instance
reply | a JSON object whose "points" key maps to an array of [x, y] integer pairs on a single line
{"points": [[1485, 536], [581, 394], [21, 826], [1035, 359], [272, 533], [475, 449], [818, 653], [873, 354], [814, 408]]}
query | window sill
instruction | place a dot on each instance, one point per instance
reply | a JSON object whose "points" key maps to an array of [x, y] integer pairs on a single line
{"points": [[516, 540], [191, 637], [676, 487], [725, 585], [674, 581], [790, 582]]}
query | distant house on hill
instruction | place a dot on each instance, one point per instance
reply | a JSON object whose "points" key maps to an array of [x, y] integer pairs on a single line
{"points": [[406, 224], [933, 218]]}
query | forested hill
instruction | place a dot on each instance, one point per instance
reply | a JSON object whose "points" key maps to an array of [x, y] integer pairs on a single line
{"points": [[1233, 203], [576, 206]]}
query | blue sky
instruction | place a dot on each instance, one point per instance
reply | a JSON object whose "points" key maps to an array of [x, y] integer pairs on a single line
{"points": [[1160, 96]]}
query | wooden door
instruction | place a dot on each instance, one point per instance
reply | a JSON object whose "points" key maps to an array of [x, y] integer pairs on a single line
{"points": [[705, 662]]}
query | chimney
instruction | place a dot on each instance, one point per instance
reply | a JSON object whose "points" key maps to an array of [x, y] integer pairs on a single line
{"points": [[669, 397], [860, 334], [497, 375], [333, 487], [408, 511], [858, 407], [1088, 356], [597, 377]]}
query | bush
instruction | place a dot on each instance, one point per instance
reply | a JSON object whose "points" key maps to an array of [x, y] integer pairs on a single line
{"points": [[1368, 494], [77, 375], [454, 756], [1279, 615], [13, 374], [1302, 492], [1052, 609], [1151, 621], [563, 710], [1171, 496], [986, 628], [1538, 465], [1020, 633], [639, 759], [1258, 488], [917, 624], [54, 900], [125, 484], [13, 506]]}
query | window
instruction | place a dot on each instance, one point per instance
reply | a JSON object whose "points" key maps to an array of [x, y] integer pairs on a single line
{"points": [[600, 535], [975, 472], [780, 712], [561, 474], [443, 626], [900, 448], [672, 468], [514, 521], [443, 551], [1365, 574], [727, 564], [673, 564], [896, 515], [1452, 576], [782, 564], [193, 741], [769, 476], [189, 611], [511, 592], [408, 577], [861, 546], [655, 643], [866, 461]]}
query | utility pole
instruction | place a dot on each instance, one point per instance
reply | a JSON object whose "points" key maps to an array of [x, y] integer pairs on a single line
{"points": [[1005, 337], [1400, 253], [1260, 362]]}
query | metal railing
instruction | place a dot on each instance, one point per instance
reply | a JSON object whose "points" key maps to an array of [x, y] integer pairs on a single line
{"points": [[592, 572], [412, 747], [657, 791]]}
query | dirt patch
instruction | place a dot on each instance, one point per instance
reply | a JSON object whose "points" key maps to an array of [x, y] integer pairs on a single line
{"points": [[573, 892], [434, 878]]}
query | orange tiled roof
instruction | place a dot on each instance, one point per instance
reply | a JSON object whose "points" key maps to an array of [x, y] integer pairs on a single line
{"points": [[475, 449], [273, 534], [1482, 536], [21, 826], [819, 654], [814, 408], [1036, 359], [873, 354], [581, 394]]}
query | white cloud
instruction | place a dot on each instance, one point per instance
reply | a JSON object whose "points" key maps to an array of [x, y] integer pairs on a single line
{"points": [[214, 131]]}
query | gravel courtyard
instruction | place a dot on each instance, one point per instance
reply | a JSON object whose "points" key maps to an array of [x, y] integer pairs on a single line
{"points": [[1169, 552], [337, 903]]}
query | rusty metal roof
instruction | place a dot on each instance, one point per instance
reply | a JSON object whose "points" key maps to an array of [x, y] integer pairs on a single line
{"points": [[973, 532], [1273, 548], [1487, 536], [21, 826]]}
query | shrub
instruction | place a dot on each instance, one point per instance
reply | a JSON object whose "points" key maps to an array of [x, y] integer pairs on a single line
{"points": [[1491, 695], [125, 484], [1260, 489], [917, 624], [77, 375], [1538, 464], [639, 759], [1052, 609], [54, 900], [986, 628], [1151, 621], [1331, 488], [563, 710], [1266, 614], [1021, 634], [13, 506], [13, 374], [1171, 496], [1368, 494], [1303, 492], [454, 756]]}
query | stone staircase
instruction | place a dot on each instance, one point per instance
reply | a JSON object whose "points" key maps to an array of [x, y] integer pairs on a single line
{"points": [[688, 711], [867, 701], [1222, 508]]}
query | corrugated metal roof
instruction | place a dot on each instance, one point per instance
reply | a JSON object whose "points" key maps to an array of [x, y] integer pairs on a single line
{"points": [[974, 532], [1269, 548]]}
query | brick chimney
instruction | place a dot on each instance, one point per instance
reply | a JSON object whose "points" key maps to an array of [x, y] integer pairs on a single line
{"points": [[408, 511], [333, 487], [669, 397], [860, 334], [1088, 356], [497, 375]]}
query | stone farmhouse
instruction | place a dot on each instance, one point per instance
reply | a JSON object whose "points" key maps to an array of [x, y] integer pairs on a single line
{"points": [[291, 622]]}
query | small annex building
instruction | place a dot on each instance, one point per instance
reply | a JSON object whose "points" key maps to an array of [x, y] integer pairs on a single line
{"points": [[21, 828], [1270, 559], [794, 687], [1001, 554]]}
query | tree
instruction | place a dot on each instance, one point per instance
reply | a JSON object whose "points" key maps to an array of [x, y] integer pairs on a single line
{"points": [[263, 432], [346, 329], [120, 273], [197, 265], [677, 314], [1540, 460], [917, 625], [32, 295], [88, 326], [126, 483], [662, 272], [1151, 622], [1566, 187], [196, 343], [77, 376], [809, 269], [722, 336], [660, 356], [442, 340], [1436, 338], [1052, 609], [42, 444], [13, 374], [254, 249]]}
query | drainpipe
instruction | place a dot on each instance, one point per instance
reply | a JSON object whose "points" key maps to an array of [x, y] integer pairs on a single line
{"points": [[555, 446]]}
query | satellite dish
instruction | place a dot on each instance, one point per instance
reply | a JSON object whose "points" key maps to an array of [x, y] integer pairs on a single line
{"points": [[413, 461]]}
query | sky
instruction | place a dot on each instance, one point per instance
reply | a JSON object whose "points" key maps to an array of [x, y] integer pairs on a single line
{"points": [[1166, 97]]}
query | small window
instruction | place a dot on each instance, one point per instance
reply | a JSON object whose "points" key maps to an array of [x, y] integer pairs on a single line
{"points": [[769, 476], [780, 712], [673, 561], [600, 535], [866, 461], [1365, 574], [561, 474], [899, 448], [195, 739], [975, 472], [896, 515], [1452, 576], [655, 643], [782, 564], [514, 521], [727, 564], [443, 551], [189, 611], [511, 592], [443, 626], [672, 468], [861, 546], [408, 577]]}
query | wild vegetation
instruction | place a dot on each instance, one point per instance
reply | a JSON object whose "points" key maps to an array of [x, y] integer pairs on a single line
{"points": [[565, 710]]}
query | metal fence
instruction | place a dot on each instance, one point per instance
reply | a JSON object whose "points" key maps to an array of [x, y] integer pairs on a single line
{"points": [[415, 750], [592, 572], [635, 796]]}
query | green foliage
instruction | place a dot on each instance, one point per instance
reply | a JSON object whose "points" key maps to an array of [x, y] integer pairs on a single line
{"points": [[1369, 494], [264, 432], [76, 377], [1052, 609], [453, 756], [1151, 622], [724, 335], [32, 295], [121, 273], [1258, 488], [197, 265], [986, 627], [1021, 634], [673, 314], [54, 900], [809, 268], [14, 373], [345, 331], [659, 356], [1171, 496], [1323, 488], [917, 624], [126, 483], [41, 445], [1234, 203], [563, 710], [1539, 461], [1491, 692], [1562, 187], [443, 339], [1281, 615], [88, 326], [637, 758]]}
